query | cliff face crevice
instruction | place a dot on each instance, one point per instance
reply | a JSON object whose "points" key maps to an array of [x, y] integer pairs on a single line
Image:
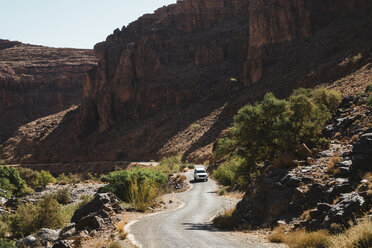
{"points": [[37, 81]]}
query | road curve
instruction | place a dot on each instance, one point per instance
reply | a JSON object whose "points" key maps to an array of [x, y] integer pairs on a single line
{"points": [[188, 226]]}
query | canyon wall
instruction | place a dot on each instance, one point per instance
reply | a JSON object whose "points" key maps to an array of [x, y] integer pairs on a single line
{"points": [[191, 49], [171, 81], [37, 81]]}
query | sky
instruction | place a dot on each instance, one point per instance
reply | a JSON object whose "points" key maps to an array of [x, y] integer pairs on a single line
{"points": [[69, 23]]}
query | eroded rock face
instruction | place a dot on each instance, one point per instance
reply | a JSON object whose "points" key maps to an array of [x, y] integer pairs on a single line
{"points": [[193, 48], [36, 81]]}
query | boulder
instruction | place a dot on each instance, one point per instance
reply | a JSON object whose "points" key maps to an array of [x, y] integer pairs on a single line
{"points": [[61, 244], [348, 207], [47, 235], [100, 205], [29, 241], [361, 154], [89, 222], [67, 231]]}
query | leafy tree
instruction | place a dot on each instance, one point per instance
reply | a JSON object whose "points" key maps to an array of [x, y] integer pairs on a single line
{"points": [[11, 182], [264, 130], [45, 178]]}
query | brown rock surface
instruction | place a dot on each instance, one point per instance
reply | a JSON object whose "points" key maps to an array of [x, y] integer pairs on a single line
{"points": [[37, 81], [174, 68]]}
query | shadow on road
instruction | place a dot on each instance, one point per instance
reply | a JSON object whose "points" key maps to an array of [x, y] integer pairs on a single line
{"points": [[200, 227], [196, 181]]}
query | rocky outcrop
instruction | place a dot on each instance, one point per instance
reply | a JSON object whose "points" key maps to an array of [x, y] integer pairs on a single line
{"points": [[93, 214], [326, 191], [37, 81]]}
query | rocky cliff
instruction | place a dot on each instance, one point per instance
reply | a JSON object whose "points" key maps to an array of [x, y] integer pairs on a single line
{"points": [[37, 81], [180, 73]]}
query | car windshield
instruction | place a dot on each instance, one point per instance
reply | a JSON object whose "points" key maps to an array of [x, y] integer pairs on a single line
{"points": [[200, 171]]}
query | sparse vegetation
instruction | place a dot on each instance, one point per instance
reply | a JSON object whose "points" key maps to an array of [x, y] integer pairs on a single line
{"points": [[369, 92], [171, 164], [278, 235], [195, 126], [122, 182], [142, 194], [63, 196], [29, 218], [46, 178], [226, 220], [115, 244], [6, 244], [70, 178], [264, 130], [303, 239]]}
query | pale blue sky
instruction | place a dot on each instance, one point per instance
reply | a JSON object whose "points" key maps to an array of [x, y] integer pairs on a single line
{"points": [[69, 23]]}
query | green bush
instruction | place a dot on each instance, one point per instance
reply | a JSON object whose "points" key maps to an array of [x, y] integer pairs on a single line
{"points": [[4, 228], [6, 244], [31, 177], [11, 181], [63, 196], [29, 218], [120, 181], [70, 178], [264, 130], [171, 164], [46, 178], [227, 173]]}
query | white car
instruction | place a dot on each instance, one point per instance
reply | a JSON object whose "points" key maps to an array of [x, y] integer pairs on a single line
{"points": [[200, 174]]}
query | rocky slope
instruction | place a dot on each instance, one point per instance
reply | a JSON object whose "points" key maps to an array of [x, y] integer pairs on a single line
{"points": [[327, 189], [37, 81], [182, 72]]}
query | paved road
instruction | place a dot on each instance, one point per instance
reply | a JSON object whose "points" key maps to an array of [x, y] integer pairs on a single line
{"points": [[188, 226]]}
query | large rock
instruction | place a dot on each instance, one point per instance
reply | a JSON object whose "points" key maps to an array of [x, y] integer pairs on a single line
{"points": [[61, 244], [93, 214], [362, 152], [47, 235]]}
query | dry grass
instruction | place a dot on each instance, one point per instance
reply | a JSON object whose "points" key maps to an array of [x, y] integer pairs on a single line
{"points": [[303, 239], [331, 165], [226, 220], [121, 228], [115, 244], [358, 236], [306, 215], [354, 138], [142, 197], [278, 235]]}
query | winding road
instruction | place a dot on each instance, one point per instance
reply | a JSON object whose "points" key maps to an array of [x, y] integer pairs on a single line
{"points": [[189, 226]]}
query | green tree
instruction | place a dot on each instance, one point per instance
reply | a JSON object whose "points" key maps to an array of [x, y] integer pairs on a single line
{"points": [[11, 181], [264, 130], [31, 177], [45, 178]]}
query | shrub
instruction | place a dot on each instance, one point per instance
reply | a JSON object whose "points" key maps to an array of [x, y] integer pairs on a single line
{"points": [[358, 236], [278, 235], [29, 218], [120, 181], [4, 228], [115, 244], [46, 178], [226, 220], [31, 177], [11, 181], [369, 92], [142, 196], [228, 173], [6, 244], [191, 166], [70, 178], [63, 196], [171, 164], [303, 239]]}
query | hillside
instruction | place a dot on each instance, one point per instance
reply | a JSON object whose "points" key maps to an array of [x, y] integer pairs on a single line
{"points": [[37, 81], [171, 81]]}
